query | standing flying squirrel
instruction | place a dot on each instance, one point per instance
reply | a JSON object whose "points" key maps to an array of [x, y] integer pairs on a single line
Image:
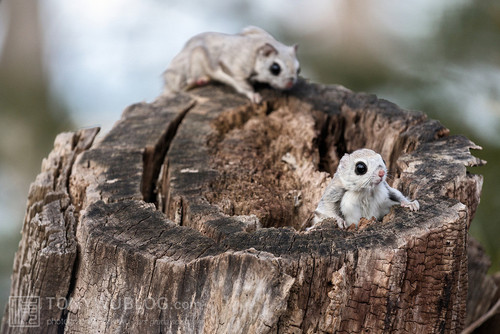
{"points": [[236, 60], [359, 189]]}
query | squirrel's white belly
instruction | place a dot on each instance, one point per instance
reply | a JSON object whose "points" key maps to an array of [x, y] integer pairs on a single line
{"points": [[367, 204]]}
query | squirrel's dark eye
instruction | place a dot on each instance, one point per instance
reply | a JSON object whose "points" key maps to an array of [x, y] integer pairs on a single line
{"points": [[275, 69], [298, 71], [360, 168]]}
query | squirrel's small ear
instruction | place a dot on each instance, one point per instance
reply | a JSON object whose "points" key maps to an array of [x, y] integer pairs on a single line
{"points": [[295, 47], [267, 49]]}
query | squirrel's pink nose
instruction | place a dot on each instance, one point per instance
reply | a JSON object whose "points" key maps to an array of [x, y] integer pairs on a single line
{"points": [[381, 173]]}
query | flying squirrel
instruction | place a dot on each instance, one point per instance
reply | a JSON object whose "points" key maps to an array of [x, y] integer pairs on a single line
{"points": [[359, 189], [236, 60]]}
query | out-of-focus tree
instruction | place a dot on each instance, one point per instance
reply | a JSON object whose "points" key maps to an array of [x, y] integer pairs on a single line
{"points": [[29, 120], [30, 116]]}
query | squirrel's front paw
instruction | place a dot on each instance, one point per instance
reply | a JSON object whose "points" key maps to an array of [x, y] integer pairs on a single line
{"points": [[413, 205], [330, 221], [342, 223], [255, 97]]}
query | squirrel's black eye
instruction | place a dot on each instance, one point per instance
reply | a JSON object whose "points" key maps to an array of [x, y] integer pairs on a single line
{"points": [[360, 168], [298, 71], [275, 69]]}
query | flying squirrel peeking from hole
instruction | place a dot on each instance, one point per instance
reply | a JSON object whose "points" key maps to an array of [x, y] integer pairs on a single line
{"points": [[236, 60], [359, 189]]}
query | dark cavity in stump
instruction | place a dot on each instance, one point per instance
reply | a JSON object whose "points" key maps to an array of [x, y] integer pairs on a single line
{"points": [[274, 161]]}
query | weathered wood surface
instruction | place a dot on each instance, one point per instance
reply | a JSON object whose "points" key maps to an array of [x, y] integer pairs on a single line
{"points": [[189, 217], [45, 260]]}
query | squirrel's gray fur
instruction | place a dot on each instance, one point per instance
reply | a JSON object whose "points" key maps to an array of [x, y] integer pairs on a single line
{"points": [[352, 195], [236, 60]]}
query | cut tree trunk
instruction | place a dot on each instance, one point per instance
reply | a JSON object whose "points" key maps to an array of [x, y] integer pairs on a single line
{"points": [[189, 216]]}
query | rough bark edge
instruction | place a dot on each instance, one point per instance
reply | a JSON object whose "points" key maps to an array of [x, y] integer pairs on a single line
{"points": [[48, 243]]}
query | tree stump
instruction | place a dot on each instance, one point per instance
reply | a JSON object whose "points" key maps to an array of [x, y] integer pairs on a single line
{"points": [[189, 217]]}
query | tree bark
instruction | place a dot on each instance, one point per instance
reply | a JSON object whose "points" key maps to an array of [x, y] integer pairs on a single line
{"points": [[189, 217]]}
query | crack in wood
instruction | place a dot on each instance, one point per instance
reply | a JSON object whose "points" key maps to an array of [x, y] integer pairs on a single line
{"points": [[154, 156]]}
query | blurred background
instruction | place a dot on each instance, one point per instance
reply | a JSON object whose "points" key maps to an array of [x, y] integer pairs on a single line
{"points": [[66, 65]]}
